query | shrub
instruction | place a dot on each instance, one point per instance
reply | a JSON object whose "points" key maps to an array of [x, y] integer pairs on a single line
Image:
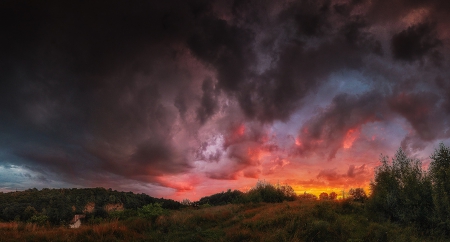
{"points": [[39, 219], [151, 211]]}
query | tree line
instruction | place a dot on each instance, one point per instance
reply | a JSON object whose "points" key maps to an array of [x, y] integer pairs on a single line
{"points": [[262, 192], [58, 206]]}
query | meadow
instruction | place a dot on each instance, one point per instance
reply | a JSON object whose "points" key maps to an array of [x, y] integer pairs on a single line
{"points": [[300, 220]]}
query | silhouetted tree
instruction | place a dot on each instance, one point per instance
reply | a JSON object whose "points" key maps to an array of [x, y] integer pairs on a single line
{"points": [[307, 196], [402, 191], [323, 196], [266, 192], [332, 196], [358, 194], [288, 192], [223, 198], [439, 172]]}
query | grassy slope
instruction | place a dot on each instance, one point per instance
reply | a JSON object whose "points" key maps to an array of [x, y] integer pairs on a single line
{"points": [[287, 221]]}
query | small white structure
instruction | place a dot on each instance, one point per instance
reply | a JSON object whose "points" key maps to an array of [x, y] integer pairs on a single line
{"points": [[76, 222]]}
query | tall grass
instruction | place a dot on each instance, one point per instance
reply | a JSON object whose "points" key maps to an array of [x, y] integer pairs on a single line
{"points": [[302, 220]]}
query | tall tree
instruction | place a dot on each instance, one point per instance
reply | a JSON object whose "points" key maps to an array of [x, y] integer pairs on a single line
{"points": [[402, 190], [358, 194], [439, 171]]}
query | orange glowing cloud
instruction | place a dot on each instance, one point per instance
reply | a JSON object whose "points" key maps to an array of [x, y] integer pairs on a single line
{"points": [[240, 130], [350, 138]]}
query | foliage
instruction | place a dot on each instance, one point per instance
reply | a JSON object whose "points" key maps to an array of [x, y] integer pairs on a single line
{"points": [[39, 219], [439, 172], [262, 192], [401, 191], [266, 192], [223, 198], [58, 206], [302, 220], [151, 211], [332, 196], [323, 196], [307, 196], [358, 194]]}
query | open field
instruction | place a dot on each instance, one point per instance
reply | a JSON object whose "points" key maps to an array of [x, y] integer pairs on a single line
{"points": [[300, 220]]}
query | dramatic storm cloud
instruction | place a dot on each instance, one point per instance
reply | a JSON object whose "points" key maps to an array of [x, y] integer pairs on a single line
{"points": [[182, 99]]}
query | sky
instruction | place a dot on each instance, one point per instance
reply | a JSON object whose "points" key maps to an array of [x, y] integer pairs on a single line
{"points": [[184, 99]]}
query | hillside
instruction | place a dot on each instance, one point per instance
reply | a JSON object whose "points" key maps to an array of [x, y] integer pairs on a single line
{"points": [[58, 206]]}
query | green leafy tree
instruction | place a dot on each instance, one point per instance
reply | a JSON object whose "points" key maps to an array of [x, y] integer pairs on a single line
{"points": [[39, 219], [402, 191], [385, 190], [29, 212], [439, 172]]}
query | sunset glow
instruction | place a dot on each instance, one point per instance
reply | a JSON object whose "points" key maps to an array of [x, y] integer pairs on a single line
{"points": [[184, 99], [350, 137]]}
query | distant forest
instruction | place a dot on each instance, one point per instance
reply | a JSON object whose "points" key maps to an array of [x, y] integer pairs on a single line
{"points": [[58, 206], [401, 192]]}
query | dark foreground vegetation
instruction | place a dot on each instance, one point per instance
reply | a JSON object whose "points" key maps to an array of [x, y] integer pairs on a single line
{"points": [[58, 206], [301, 220], [406, 204]]}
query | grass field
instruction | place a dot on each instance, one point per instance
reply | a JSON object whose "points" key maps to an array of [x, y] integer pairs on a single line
{"points": [[300, 220]]}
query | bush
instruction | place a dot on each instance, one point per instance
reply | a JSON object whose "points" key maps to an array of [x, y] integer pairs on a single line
{"points": [[358, 195], [151, 211], [377, 233], [266, 192], [319, 231], [39, 219]]}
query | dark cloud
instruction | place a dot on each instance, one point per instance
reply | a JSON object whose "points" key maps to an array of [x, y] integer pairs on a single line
{"points": [[391, 11], [354, 171], [310, 16], [355, 35], [96, 92], [355, 175], [326, 132], [419, 109], [156, 159], [226, 47], [329, 175], [415, 42], [426, 113], [96, 81], [242, 159], [444, 86], [209, 101]]}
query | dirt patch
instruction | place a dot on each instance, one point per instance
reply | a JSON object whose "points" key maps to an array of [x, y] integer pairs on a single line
{"points": [[113, 207], [89, 208]]}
